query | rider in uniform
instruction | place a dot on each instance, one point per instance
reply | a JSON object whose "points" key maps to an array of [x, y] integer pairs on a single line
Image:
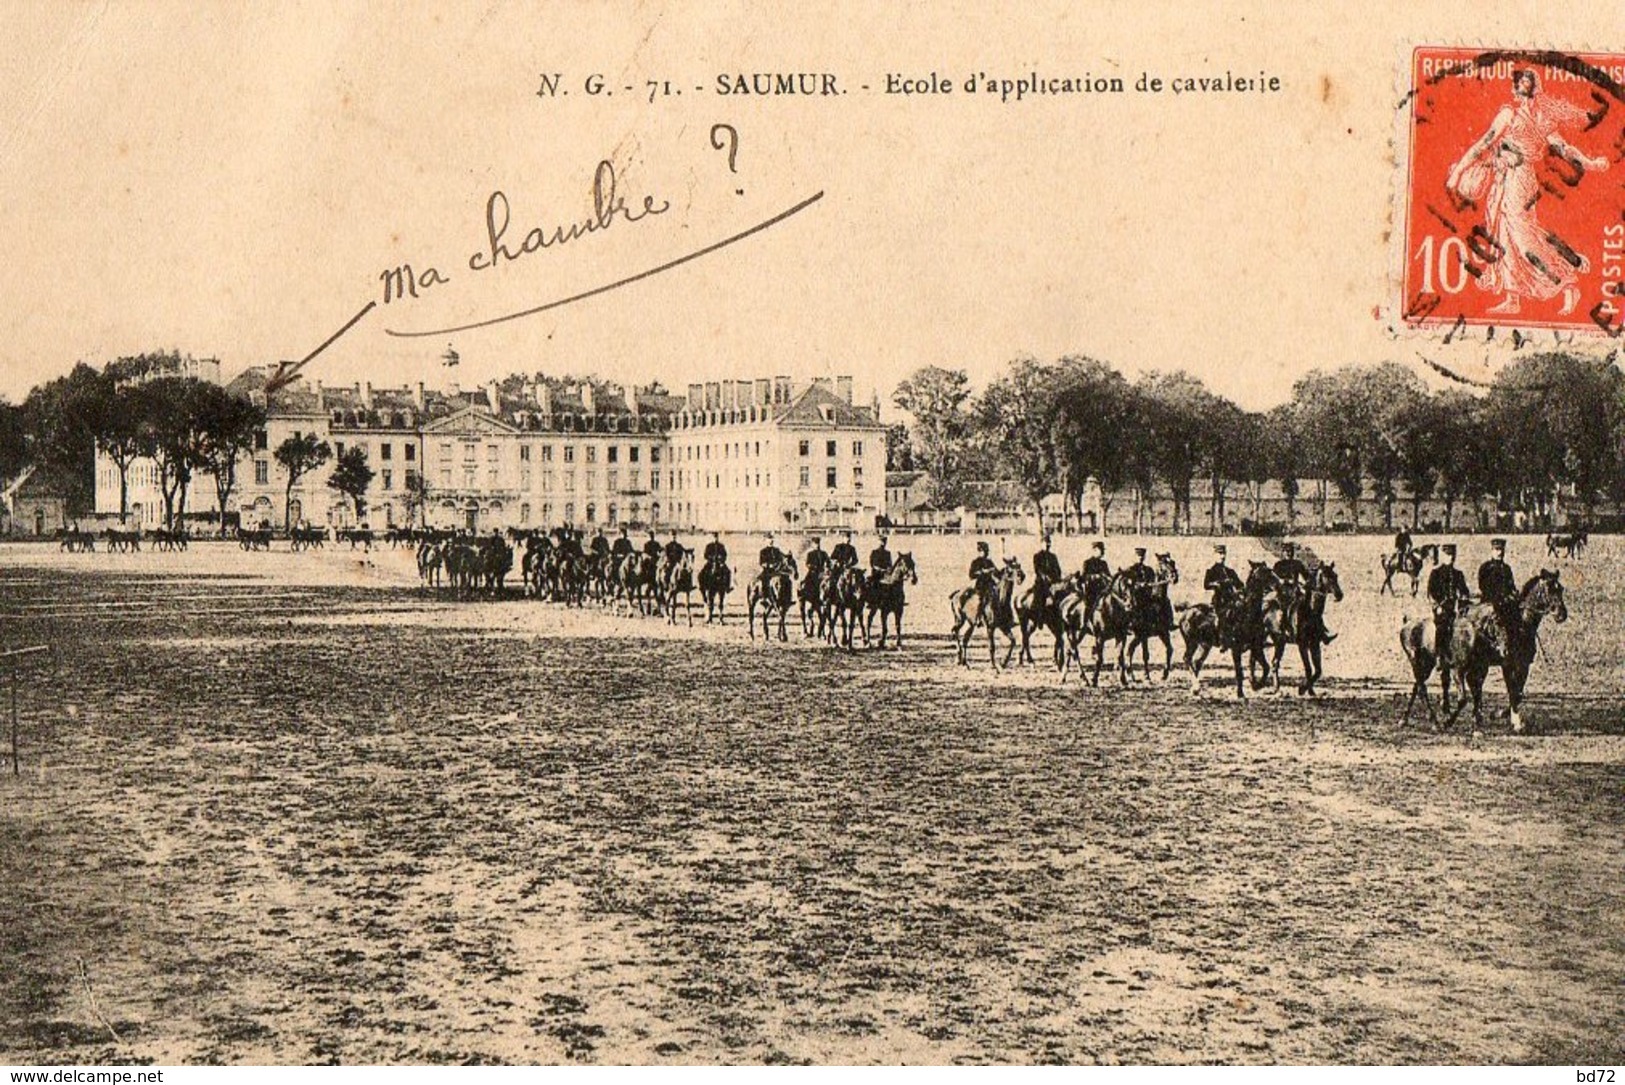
{"points": [[880, 561], [623, 546], [771, 556], [1447, 591], [983, 572], [651, 549], [715, 552], [1046, 573], [1221, 580], [845, 554], [817, 560], [1496, 584], [600, 545], [1140, 573], [1096, 568], [1402, 544], [674, 551], [1294, 577]]}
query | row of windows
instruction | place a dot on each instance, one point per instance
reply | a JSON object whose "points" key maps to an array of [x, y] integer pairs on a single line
{"points": [[469, 477], [832, 478], [740, 449], [493, 453]]}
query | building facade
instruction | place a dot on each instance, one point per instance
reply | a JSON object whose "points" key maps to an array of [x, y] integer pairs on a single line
{"points": [[528, 453]]}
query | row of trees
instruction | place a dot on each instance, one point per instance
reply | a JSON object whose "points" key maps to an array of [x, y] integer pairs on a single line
{"points": [[137, 408], [1548, 437]]}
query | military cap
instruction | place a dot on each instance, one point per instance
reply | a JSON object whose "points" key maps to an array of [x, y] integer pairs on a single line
{"points": [[1221, 549], [1448, 548], [1498, 544], [1099, 547], [1139, 551]]}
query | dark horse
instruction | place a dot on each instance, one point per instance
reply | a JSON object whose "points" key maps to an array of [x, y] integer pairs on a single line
{"points": [[680, 581], [1480, 640], [843, 605], [885, 597], [1410, 563], [991, 607], [716, 581], [1307, 629], [773, 590], [1151, 616], [1234, 625]]}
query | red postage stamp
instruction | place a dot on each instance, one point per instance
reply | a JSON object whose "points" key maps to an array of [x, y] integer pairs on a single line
{"points": [[1515, 190]]}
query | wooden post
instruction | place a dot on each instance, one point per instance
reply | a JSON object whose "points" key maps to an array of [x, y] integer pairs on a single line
{"points": [[10, 658]]}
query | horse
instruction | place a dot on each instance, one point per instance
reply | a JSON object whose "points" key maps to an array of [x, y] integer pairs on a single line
{"points": [[1234, 623], [1030, 616], [1075, 611], [1570, 544], [1479, 640], [885, 597], [1311, 624], [991, 608], [716, 581], [773, 589], [679, 580], [430, 559], [843, 604], [639, 584], [810, 595], [1410, 563], [1152, 616]]}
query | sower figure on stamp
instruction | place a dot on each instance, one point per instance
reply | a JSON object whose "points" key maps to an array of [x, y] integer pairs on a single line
{"points": [[1447, 592], [1499, 174]]}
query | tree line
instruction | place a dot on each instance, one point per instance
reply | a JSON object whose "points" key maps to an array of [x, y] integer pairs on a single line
{"points": [[137, 408], [1546, 437]]}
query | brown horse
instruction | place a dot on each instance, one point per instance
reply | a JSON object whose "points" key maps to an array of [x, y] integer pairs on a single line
{"points": [[1480, 640], [1031, 616], [1235, 624], [773, 592], [1307, 629], [1151, 617], [886, 598], [843, 605], [679, 580], [716, 581], [992, 609]]}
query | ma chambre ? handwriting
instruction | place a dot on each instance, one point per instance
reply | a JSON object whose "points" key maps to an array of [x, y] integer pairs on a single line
{"points": [[504, 246]]}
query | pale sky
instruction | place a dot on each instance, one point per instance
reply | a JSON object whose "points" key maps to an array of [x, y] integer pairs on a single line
{"points": [[231, 179]]}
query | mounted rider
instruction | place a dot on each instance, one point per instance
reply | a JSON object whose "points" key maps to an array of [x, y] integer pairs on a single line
{"points": [[880, 561], [1046, 574], [845, 555], [1497, 586], [1294, 577], [623, 547], [715, 552], [1223, 582], [674, 551], [599, 545], [651, 550], [817, 560], [983, 573], [1403, 545], [1447, 591]]}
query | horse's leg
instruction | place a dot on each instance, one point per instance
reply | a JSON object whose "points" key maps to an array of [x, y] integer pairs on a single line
{"points": [[1167, 655], [1514, 676], [1235, 655]]}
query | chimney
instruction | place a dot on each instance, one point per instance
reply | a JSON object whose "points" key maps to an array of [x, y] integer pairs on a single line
{"points": [[781, 389], [727, 395], [366, 395], [418, 397], [544, 402], [587, 407], [632, 403], [493, 393], [696, 396], [764, 392], [713, 394], [453, 389], [843, 389], [318, 392]]}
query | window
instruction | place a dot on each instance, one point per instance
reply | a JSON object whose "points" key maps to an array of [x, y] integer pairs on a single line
{"points": [[445, 451], [547, 481], [806, 476], [806, 448], [569, 453], [632, 454], [592, 480], [614, 480], [654, 455], [491, 453], [592, 453], [829, 477], [654, 480], [857, 478], [614, 453], [411, 453], [388, 476], [857, 448], [445, 477], [547, 453], [411, 477], [524, 453], [569, 481], [262, 472], [491, 480], [386, 452], [468, 478], [524, 514], [524, 479], [338, 449], [634, 478], [261, 441], [468, 451], [829, 449]]}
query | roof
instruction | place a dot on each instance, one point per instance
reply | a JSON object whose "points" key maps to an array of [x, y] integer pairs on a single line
{"points": [[903, 478], [40, 482], [820, 407]]}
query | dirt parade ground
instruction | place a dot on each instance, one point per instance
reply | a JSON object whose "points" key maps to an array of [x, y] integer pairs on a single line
{"points": [[294, 808]]}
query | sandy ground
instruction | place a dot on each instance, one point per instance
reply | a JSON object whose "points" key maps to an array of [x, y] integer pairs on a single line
{"points": [[288, 808]]}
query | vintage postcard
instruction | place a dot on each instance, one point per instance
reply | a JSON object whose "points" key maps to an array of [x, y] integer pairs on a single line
{"points": [[655, 534]]}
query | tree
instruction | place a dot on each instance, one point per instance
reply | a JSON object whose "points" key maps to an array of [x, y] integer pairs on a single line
{"points": [[227, 427], [1283, 431], [1468, 458], [125, 436], [351, 476], [172, 411], [1557, 419], [1013, 415], [935, 400], [299, 455], [1091, 405], [13, 442], [62, 418], [417, 498], [899, 454]]}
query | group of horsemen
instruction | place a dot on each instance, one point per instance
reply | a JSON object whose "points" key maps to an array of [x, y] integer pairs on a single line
{"points": [[1449, 595]]}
